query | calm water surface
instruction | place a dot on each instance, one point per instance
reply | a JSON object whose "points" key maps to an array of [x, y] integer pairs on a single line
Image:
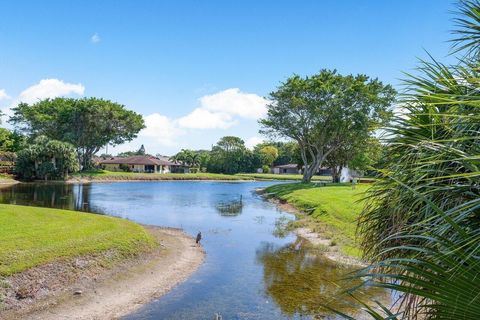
{"points": [[250, 271]]}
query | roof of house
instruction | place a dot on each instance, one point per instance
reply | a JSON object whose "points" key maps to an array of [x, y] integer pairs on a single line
{"points": [[140, 160], [287, 166], [295, 166]]}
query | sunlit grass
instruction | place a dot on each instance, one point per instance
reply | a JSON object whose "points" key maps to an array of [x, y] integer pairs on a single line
{"points": [[118, 175], [332, 210], [271, 176], [31, 236]]}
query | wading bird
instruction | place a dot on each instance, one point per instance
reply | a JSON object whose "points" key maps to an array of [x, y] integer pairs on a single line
{"points": [[199, 237]]}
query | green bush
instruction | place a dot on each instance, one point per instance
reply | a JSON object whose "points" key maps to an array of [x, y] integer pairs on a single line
{"points": [[46, 159], [124, 167]]}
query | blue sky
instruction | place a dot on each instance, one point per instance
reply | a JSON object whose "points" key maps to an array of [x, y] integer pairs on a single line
{"points": [[198, 70]]}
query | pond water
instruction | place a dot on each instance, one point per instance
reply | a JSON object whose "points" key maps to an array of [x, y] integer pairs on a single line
{"points": [[250, 271]]}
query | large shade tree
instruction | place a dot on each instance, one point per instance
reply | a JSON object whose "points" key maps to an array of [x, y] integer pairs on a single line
{"points": [[326, 111], [87, 123]]}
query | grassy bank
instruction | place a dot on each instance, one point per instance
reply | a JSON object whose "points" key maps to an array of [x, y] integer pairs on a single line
{"points": [[271, 176], [31, 236], [7, 178], [111, 175], [332, 211]]}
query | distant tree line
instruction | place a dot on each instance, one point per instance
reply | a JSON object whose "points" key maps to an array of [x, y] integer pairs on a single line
{"points": [[324, 120], [61, 125]]}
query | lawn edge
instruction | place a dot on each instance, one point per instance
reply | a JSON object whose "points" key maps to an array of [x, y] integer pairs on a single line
{"points": [[176, 252], [314, 238]]}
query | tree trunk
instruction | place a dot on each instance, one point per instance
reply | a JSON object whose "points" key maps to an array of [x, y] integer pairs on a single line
{"points": [[311, 169], [335, 174]]}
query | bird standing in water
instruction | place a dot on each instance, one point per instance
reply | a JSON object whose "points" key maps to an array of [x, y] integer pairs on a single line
{"points": [[199, 237]]}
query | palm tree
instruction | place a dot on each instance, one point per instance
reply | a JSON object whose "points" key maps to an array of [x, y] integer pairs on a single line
{"points": [[195, 161], [181, 157], [421, 224]]}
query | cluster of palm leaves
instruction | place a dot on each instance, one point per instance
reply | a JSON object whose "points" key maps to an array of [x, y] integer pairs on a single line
{"points": [[421, 225], [195, 160]]}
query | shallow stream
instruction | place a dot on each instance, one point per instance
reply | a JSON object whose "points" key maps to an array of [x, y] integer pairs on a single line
{"points": [[250, 271]]}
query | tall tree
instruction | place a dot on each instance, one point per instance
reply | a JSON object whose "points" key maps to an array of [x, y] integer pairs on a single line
{"points": [[288, 152], [231, 156], [325, 112], [87, 123], [204, 158], [268, 154]]}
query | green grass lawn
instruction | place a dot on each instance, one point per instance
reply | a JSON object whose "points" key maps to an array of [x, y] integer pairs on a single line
{"points": [[271, 176], [31, 236], [332, 210], [111, 175]]}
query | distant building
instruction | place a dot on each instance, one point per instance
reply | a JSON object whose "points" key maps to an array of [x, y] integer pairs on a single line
{"points": [[290, 168], [144, 164]]}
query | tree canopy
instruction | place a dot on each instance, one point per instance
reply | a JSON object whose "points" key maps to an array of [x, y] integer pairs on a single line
{"points": [[11, 141], [326, 111], [230, 156], [88, 123], [268, 155]]}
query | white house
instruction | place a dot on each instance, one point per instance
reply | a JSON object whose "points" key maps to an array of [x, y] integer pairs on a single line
{"points": [[145, 164]]}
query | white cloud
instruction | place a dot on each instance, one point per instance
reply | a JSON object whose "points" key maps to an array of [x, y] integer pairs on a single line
{"points": [[235, 102], [46, 88], [161, 133], [253, 141], [221, 110], [161, 129], [95, 38], [50, 88], [4, 95], [201, 118]]}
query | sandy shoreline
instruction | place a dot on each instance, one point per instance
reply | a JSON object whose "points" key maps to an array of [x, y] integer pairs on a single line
{"points": [[113, 292], [315, 238]]}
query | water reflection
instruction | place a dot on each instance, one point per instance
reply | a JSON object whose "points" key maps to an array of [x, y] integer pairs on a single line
{"points": [[52, 195], [300, 280], [230, 208]]}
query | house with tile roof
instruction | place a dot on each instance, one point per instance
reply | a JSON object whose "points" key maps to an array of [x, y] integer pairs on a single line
{"points": [[143, 163]]}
